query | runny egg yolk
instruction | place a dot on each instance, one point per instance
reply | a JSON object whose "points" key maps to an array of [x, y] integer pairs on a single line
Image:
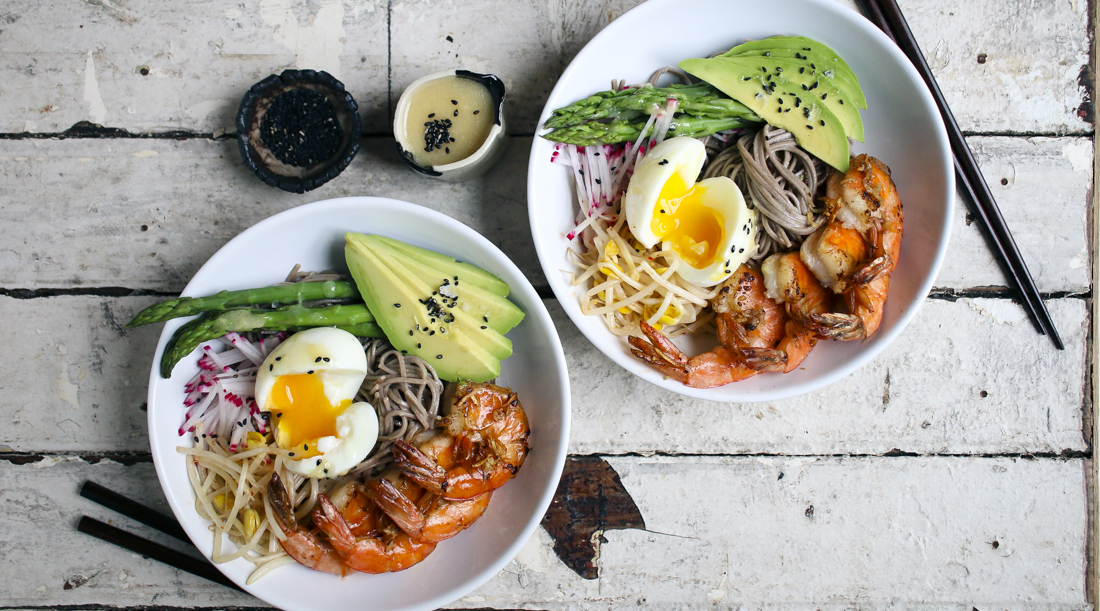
{"points": [[680, 217], [303, 413]]}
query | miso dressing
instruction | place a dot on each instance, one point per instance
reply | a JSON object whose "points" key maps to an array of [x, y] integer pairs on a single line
{"points": [[448, 120]]}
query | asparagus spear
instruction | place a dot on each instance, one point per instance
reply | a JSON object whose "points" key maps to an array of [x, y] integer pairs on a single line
{"points": [[702, 101], [595, 132], [281, 293], [355, 318]]}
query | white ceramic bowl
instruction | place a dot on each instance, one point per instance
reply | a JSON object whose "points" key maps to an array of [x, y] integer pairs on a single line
{"points": [[480, 160], [313, 236], [903, 129]]}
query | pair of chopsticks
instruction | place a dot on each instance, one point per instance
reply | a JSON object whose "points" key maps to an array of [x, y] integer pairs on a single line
{"points": [[132, 509], [888, 17]]}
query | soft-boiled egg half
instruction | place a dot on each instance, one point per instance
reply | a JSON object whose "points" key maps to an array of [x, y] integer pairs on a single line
{"points": [[308, 384], [706, 223]]}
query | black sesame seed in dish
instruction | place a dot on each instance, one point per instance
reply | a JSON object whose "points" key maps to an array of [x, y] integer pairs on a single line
{"points": [[298, 130]]}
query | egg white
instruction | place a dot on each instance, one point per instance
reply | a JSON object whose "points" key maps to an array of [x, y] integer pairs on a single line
{"points": [[683, 156], [356, 434], [337, 359], [341, 375], [686, 156], [739, 229]]}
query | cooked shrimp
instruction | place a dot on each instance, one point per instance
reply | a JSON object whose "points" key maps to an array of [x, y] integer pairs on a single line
{"points": [[483, 445], [747, 319], [385, 550], [432, 518], [307, 547], [791, 283], [856, 251]]}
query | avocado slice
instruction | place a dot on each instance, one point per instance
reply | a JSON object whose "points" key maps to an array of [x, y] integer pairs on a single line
{"points": [[474, 275], [814, 54], [813, 125], [802, 73], [486, 306], [802, 87], [407, 321], [452, 318]]}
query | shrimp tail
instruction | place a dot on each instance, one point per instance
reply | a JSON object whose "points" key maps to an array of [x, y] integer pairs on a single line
{"points": [[659, 352], [329, 520], [397, 506], [874, 270], [764, 359], [419, 468], [844, 327], [277, 495]]}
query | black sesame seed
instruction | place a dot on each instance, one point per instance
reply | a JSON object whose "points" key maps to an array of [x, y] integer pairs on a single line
{"points": [[485, 318], [810, 127], [802, 70], [278, 358], [271, 367], [326, 470], [824, 95], [279, 415], [476, 111], [318, 462], [410, 332], [823, 123], [327, 359], [418, 345], [741, 251], [306, 447], [310, 371], [430, 116], [300, 128], [841, 102], [292, 453], [484, 327], [397, 305], [663, 162], [196, 439], [447, 150], [455, 102], [317, 360], [430, 333]]}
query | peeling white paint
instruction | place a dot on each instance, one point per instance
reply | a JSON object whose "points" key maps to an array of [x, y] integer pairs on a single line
{"points": [[97, 111], [1079, 155], [200, 111], [998, 311], [316, 46], [66, 389]]}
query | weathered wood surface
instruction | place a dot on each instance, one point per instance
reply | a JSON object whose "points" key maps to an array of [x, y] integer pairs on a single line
{"points": [[127, 212], [992, 513], [185, 65], [751, 532], [968, 377]]}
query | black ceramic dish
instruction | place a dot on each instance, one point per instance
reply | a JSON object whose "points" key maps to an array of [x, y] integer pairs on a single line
{"points": [[258, 154]]}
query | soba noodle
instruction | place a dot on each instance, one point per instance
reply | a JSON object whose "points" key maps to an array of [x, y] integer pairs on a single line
{"points": [[779, 180], [406, 393]]}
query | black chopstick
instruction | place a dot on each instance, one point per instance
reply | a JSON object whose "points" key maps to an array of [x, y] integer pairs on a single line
{"points": [[156, 551], [887, 15], [133, 509]]}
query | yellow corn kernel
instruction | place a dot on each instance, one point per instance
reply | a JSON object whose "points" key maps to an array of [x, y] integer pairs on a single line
{"points": [[253, 440], [250, 520], [222, 501]]}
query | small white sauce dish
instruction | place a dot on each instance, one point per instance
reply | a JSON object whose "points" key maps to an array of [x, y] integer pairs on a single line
{"points": [[471, 166]]}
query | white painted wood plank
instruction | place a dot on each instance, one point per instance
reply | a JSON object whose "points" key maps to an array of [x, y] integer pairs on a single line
{"points": [[179, 65], [76, 382], [883, 532], [1039, 184], [193, 196], [965, 377], [200, 57]]}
